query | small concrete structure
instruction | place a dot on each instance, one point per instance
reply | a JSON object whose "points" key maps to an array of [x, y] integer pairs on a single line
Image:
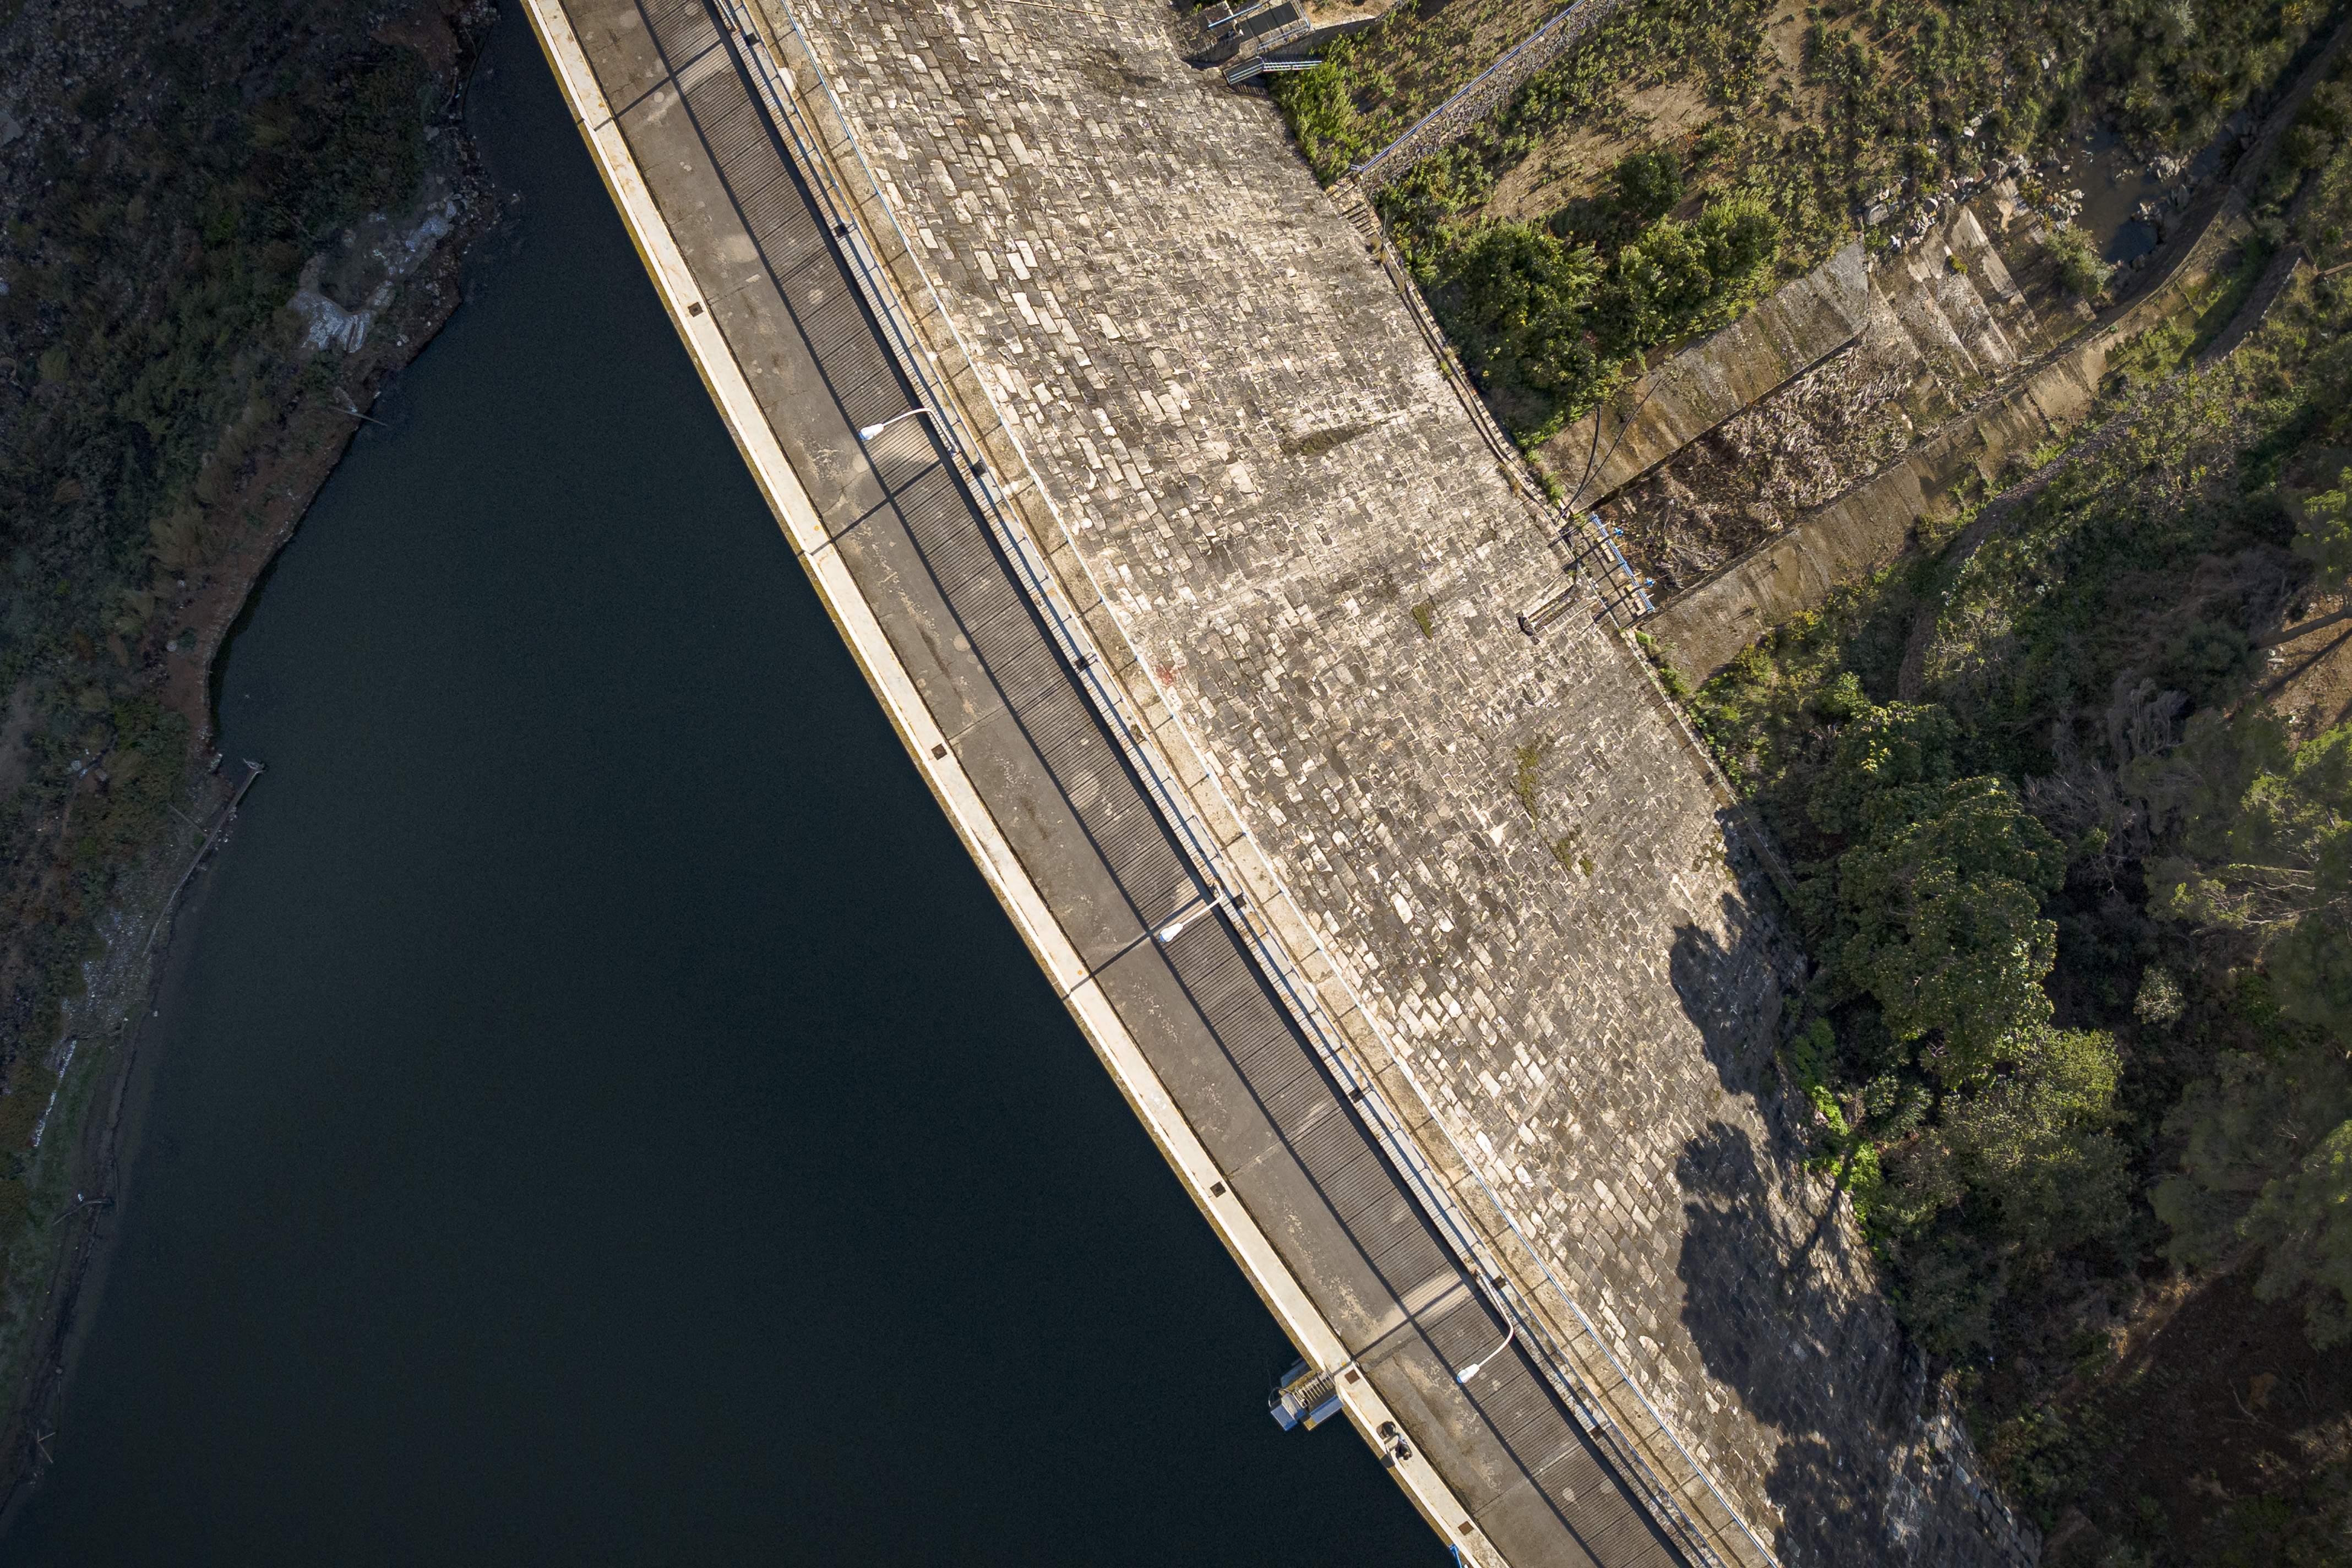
{"points": [[1705, 627]]}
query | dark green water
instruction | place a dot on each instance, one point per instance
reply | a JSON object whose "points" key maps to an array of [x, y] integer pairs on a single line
{"points": [[601, 1115]]}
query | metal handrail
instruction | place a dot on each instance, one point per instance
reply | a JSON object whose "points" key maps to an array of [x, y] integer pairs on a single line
{"points": [[1075, 643]]}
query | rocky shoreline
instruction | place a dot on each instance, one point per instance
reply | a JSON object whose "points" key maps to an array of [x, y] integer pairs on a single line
{"points": [[366, 305]]}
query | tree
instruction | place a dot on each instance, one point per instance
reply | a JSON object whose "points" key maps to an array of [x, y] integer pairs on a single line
{"points": [[2035, 1140], [2323, 537], [1647, 186], [1740, 234], [1887, 761], [2017, 1170], [1528, 295], [2265, 838], [2265, 1153], [2303, 1221], [1940, 888], [2080, 267]]}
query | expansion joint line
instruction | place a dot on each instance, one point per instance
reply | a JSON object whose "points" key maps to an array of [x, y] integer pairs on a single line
{"points": [[1075, 643]]}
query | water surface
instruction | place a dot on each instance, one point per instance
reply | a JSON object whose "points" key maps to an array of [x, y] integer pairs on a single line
{"points": [[601, 1115]]}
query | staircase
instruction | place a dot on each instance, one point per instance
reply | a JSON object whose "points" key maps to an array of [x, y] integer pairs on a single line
{"points": [[1348, 197], [1305, 1397], [1258, 65]]}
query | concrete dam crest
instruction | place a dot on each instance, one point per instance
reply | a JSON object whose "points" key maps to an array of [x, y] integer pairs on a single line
{"points": [[1490, 861]]}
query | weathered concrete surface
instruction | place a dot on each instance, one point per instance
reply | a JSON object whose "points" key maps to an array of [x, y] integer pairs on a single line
{"points": [[1704, 384], [2280, 275], [1504, 846], [995, 715], [1947, 324], [1703, 629], [1707, 626]]}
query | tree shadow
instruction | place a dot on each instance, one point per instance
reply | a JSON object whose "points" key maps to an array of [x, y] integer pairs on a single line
{"points": [[1730, 987], [1785, 1312], [1780, 1298]]}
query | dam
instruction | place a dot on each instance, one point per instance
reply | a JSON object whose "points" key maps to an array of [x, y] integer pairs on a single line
{"points": [[1425, 949]]}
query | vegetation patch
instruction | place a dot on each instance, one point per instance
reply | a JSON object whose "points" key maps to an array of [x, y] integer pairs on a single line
{"points": [[1569, 236], [2079, 1045], [163, 207], [1526, 773]]}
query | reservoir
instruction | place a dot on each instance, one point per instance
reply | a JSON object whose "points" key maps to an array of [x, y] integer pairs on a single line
{"points": [[599, 1113]]}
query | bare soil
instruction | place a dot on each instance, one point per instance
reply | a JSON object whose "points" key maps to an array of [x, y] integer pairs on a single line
{"points": [[1576, 163]]}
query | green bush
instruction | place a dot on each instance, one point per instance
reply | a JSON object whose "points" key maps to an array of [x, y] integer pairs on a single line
{"points": [[2080, 267], [1551, 326]]}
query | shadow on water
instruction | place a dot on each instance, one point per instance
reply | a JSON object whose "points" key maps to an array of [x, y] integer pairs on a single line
{"points": [[601, 1115]]}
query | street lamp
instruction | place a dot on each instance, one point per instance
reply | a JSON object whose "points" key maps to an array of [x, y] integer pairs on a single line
{"points": [[867, 432], [1510, 1333]]}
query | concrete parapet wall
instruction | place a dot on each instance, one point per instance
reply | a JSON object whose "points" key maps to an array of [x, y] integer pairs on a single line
{"points": [[1492, 856]]}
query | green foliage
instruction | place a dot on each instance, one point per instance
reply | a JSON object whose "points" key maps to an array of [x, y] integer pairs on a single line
{"points": [[2035, 1140], [2324, 536], [1940, 889], [1549, 326], [1526, 773], [2263, 1146], [2303, 1223], [2016, 1171], [1889, 762], [2080, 267], [2265, 849], [1524, 296], [153, 368], [2080, 901], [2046, 1459], [1909, 92], [1647, 184]]}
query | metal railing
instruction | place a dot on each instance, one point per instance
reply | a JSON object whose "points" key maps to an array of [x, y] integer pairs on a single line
{"points": [[1076, 644], [1258, 65]]}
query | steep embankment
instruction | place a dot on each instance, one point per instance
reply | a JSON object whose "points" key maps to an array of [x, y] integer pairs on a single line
{"points": [[229, 223]]}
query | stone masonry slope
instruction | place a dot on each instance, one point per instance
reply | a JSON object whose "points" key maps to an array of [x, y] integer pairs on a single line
{"points": [[1507, 847]]}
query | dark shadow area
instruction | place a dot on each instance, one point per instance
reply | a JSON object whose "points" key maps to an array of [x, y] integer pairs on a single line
{"points": [[1778, 1301], [1730, 987]]}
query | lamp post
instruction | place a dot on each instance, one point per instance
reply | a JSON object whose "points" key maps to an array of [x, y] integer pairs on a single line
{"points": [[1510, 1332], [867, 432], [1467, 1373]]}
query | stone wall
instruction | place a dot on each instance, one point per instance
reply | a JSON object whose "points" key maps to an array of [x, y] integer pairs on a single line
{"points": [[1505, 845]]}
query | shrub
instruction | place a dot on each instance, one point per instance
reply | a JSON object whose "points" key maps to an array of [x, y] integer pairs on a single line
{"points": [[2080, 267]]}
